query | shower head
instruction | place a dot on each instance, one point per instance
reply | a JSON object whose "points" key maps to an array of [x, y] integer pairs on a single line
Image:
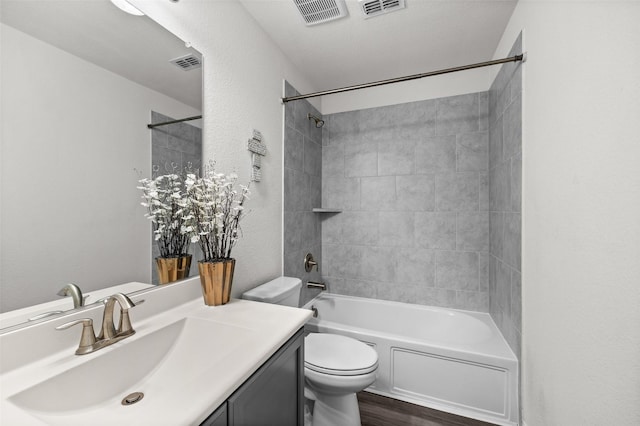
{"points": [[319, 123]]}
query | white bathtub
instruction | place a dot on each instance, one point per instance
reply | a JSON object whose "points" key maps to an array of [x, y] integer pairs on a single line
{"points": [[449, 360]]}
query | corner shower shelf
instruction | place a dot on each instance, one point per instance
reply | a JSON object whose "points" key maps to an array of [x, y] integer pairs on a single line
{"points": [[320, 210]]}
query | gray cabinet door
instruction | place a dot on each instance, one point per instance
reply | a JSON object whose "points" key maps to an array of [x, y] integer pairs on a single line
{"points": [[274, 395], [218, 418]]}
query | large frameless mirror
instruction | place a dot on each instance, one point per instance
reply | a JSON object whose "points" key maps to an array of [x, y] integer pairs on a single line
{"points": [[80, 82]]}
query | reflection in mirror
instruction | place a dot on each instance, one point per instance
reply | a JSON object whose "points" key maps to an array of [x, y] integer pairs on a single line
{"points": [[80, 80], [175, 147]]}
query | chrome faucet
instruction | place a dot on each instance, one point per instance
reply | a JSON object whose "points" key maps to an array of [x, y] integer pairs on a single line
{"points": [[109, 334], [108, 330], [75, 293]]}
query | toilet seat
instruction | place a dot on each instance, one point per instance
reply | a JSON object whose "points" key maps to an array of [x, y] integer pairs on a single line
{"points": [[338, 355]]}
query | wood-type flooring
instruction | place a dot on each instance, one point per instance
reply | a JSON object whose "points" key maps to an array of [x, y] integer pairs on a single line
{"points": [[376, 410]]}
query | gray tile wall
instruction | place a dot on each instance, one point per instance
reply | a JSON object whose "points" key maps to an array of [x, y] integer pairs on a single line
{"points": [[413, 183], [178, 144], [505, 199], [302, 191]]}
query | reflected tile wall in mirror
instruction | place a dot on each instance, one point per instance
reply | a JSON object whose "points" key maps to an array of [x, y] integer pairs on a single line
{"points": [[179, 145]]}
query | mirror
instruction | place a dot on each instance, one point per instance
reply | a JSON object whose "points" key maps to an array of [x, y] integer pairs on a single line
{"points": [[80, 80]]}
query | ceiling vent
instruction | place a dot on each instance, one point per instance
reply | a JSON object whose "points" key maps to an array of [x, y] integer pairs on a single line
{"points": [[373, 8], [318, 11], [187, 62]]}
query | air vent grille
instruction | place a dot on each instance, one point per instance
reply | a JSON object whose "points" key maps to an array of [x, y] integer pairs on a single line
{"points": [[187, 62], [373, 8], [318, 11]]}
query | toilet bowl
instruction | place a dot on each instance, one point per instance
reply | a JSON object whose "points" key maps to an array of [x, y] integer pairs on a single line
{"points": [[335, 366]]}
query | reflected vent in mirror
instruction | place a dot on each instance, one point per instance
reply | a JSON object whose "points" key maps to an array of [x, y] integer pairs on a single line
{"points": [[187, 62]]}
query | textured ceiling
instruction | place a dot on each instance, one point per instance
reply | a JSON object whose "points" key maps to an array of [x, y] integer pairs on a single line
{"points": [[427, 35]]}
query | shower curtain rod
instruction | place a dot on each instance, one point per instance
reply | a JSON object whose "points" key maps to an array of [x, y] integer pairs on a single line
{"points": [[195, 117], [521, 57]]}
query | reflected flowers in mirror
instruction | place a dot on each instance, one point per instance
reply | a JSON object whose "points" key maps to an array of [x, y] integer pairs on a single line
{"points": [[164, 197]]}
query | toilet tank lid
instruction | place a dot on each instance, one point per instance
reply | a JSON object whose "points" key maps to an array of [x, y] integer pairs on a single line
{"points": [[274, 291]]}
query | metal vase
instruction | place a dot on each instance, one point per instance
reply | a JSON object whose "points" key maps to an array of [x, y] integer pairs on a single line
{"points": [[216, 278], [172, 269]]}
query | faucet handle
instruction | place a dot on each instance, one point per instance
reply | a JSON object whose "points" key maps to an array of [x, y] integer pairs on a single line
{"points": [[87, 338], [310, 263], [124, 326]]}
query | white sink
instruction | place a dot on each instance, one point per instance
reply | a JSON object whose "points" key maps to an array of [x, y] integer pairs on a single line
{"points": [[154, 364], [186, 358]]}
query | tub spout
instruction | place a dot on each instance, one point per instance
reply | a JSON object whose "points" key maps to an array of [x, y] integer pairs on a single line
{"points": [[316, 285]]}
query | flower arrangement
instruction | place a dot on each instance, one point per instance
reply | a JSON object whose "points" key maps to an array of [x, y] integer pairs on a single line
{"points": [[215, 208], [185, 208], [163, 196]]}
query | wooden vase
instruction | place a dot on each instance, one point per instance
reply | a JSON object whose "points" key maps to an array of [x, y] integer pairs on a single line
{"points": [[172, 269], [216, 278]]}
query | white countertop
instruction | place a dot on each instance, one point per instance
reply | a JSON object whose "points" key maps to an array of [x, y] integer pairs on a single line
{"points": [[186, 396]]}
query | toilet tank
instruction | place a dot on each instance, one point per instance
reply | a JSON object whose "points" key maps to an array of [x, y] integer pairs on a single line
{"points": [[280, 291]]}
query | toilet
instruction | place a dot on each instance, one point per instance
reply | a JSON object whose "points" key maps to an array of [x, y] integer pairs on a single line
{"points": [[335, 366]]}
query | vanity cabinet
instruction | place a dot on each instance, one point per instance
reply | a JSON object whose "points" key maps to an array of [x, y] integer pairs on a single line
{"points": [[218, 418], [273, 395]]}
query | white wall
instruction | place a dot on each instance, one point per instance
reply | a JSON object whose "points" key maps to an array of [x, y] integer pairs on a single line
{"points": [[581, 211], [1, 145], [72, 134], [243, 73]]}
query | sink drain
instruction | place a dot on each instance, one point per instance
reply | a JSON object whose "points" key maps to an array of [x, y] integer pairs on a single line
{"points": [[132, 398]]}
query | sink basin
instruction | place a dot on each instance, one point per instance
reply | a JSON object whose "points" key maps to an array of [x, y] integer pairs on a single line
{"points": [[157, 364]]}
